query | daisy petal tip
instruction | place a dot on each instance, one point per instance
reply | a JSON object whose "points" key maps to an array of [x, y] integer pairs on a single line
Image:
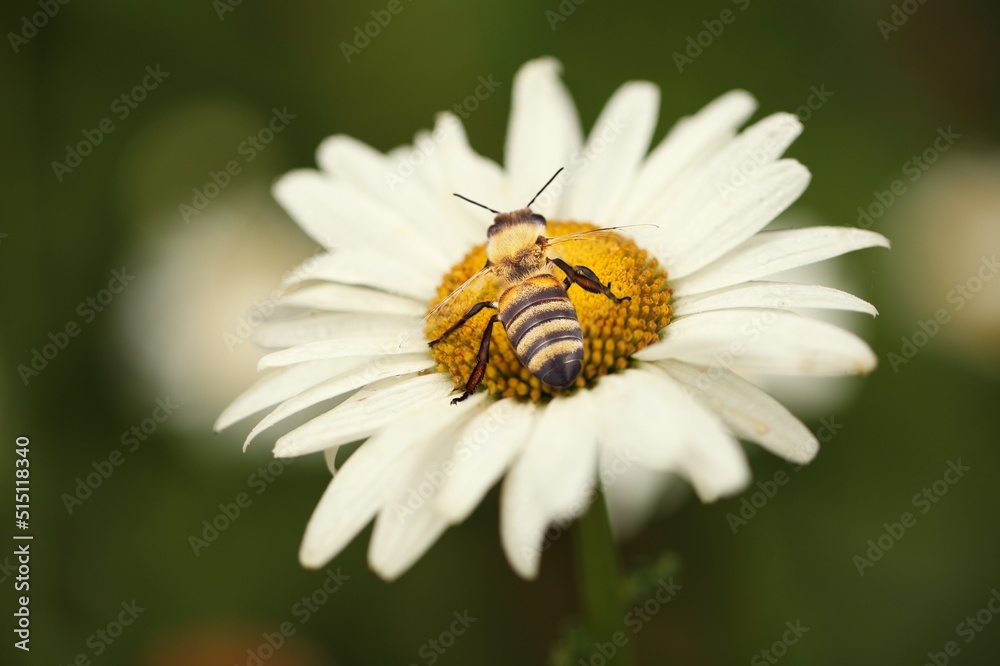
{"points": [[388, 565], [806, 454], [736, 103], [788, 121], [647, 89], [549, 65], [523, 556], [526, 568], [252, 435], [875, 239], [222, 422], [311, 557], [725, 482], [739, 96], [867, 364], [326, 145], [446, 119], [722, 488], [283, 449], [386, 573], [272, 360], [286, 187], [802, 169], [800, 451], [333, 143], [309, 560], [450, 507], [866, 308]]}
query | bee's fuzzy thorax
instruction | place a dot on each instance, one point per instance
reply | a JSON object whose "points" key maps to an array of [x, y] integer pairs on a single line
{"points": [[512, 247]]}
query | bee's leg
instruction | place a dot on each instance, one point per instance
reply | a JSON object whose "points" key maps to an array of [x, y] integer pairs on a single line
{"points": [[587, 280], [473, 311], [476, 376]]}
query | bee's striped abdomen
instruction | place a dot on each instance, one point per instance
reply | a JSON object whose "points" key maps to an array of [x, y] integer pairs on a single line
{"points": [[542, 326]]}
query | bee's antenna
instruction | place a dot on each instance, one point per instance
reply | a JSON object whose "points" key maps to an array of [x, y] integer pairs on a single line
{"points": [[543, 188], [476, 203]]}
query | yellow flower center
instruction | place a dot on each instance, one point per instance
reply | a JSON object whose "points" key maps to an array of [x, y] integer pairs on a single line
{"points": [[612, 332]]}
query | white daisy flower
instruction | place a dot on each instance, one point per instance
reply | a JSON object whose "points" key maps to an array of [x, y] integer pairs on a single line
{"points": [[659, 386]]}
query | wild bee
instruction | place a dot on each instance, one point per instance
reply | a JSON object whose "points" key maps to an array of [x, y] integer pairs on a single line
{"points": [[534, 309]]}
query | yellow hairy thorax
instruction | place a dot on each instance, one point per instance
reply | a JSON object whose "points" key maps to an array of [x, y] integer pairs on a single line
{"points": [[514, 253], [612, 331]]}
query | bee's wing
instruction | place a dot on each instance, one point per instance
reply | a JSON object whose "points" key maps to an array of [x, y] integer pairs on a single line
{"points": [[476, 280], [590, 235], [478, 276]]}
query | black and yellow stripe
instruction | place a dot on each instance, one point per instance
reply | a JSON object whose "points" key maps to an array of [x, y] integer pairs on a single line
{"points": [[542, 326]]}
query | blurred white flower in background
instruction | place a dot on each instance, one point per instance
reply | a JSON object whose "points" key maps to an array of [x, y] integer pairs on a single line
{"points": [[200, 294], [948, 230], [206, 250]]}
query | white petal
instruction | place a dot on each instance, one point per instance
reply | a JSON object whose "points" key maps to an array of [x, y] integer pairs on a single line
{"points": [[396, 545], [469, 173], [482, 453], [338, 214], [600, 175], [364, 413], [747, 410], [690, 141], [278, 386], [428, 184], [779, 295], [381, 346], [345, 298], [369, 269], [757, 146], [359, 489], [428, 171], [396, 180], [551, 480], [353, 161], [330, 457], [773, 251], [408, 523], [633, 492], [362, 374], [426, 191], [760, 340], [731, 217], [561, 454], [761, 144], [543, 133], [350, 501], [281, 333], [647, 417]]}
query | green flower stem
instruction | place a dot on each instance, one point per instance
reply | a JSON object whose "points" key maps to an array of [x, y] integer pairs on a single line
{"points": [[599, 582]]}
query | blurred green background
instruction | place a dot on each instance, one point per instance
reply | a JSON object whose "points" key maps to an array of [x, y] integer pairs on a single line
{"points": [[228, 64]]}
